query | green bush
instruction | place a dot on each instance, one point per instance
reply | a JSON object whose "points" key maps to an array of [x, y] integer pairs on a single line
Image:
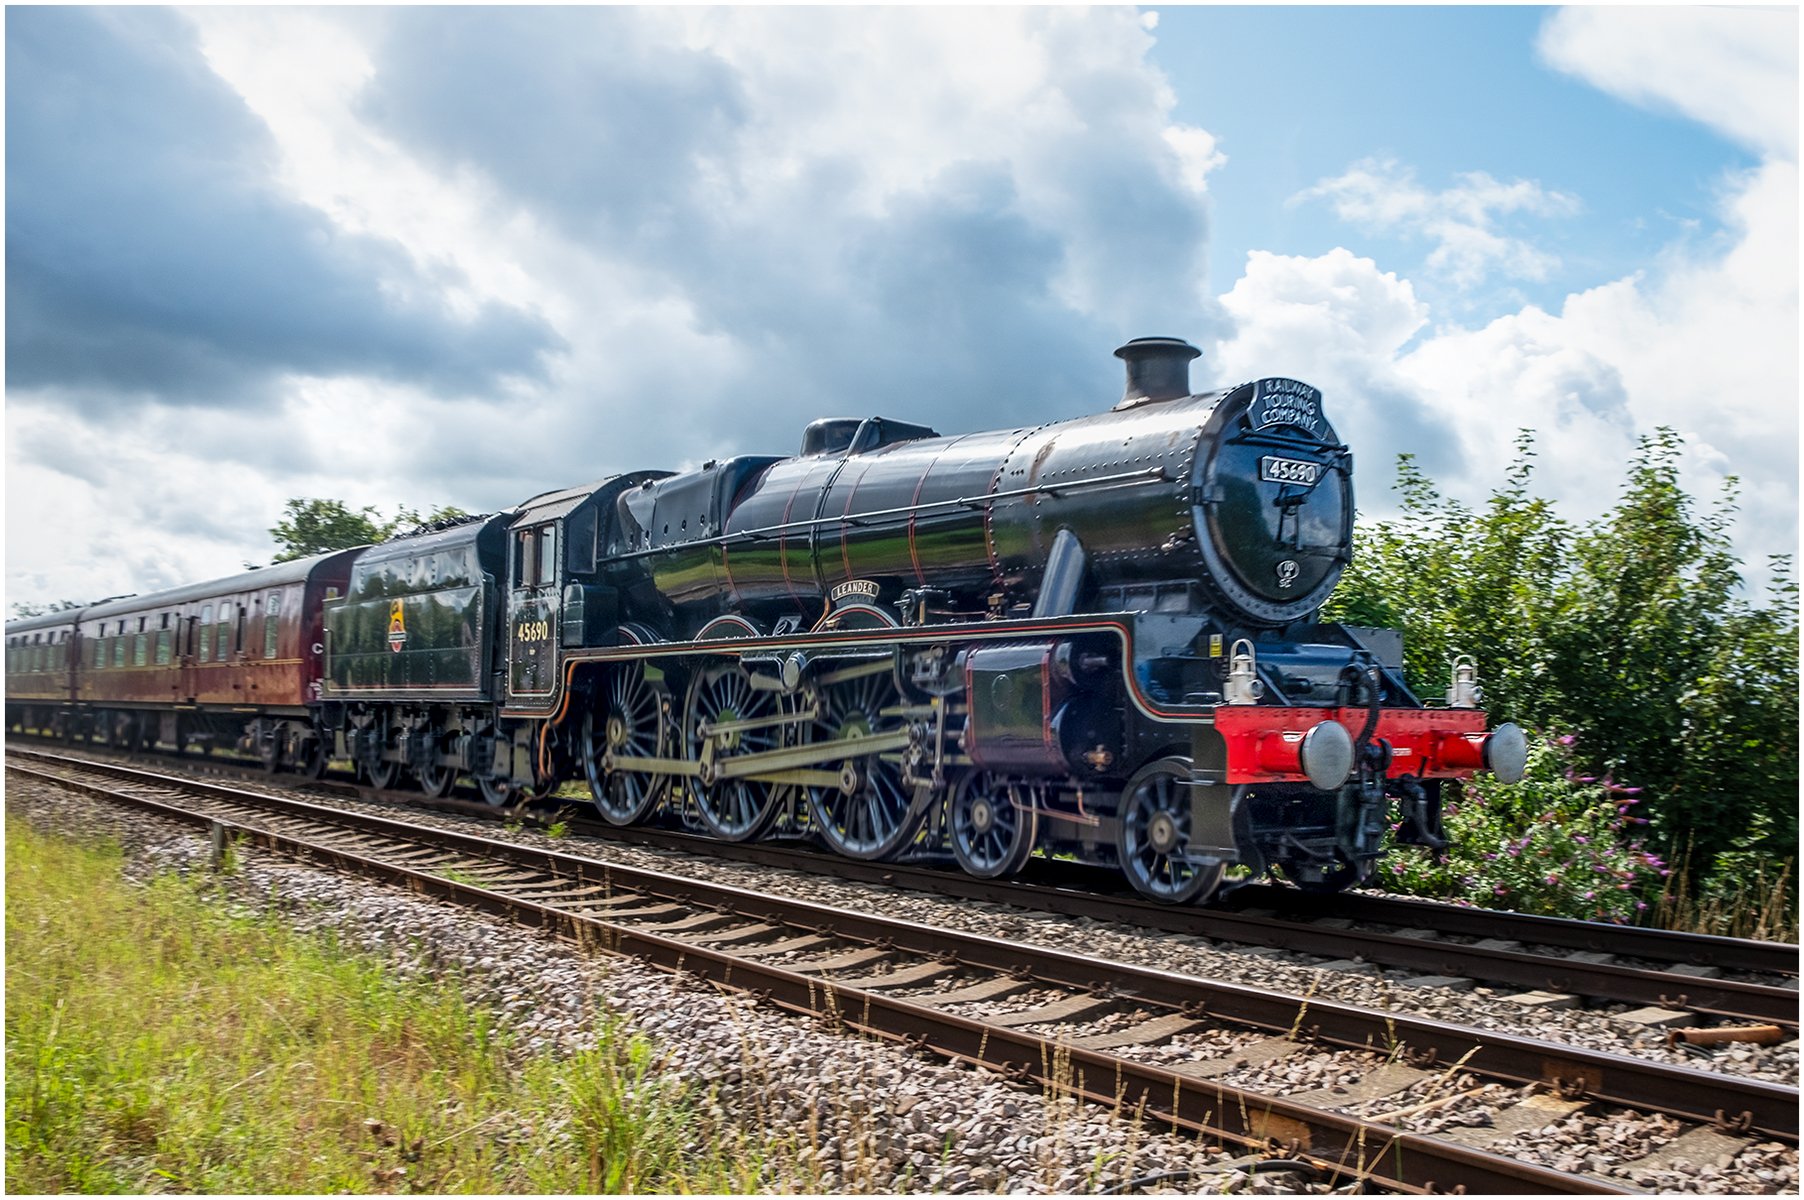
{"points": [[1631, 633], [1557, 844]]}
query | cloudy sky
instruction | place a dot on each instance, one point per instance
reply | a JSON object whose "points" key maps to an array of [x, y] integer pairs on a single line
{"points": [[460, 256]]}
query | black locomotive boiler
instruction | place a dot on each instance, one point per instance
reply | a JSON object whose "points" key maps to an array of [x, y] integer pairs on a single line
{"points": [[1094, 637]]}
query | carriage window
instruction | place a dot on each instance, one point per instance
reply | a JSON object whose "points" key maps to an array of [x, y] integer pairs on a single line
{"points": [[272, 627], [223, 631], [91, 652], [165, 646], [206, 632], [141, 651], [119, 649]]}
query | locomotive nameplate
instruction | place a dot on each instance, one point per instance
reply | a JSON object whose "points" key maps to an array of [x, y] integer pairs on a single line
{"points": [[1273, 469], [1286, 402], [853, 589]]}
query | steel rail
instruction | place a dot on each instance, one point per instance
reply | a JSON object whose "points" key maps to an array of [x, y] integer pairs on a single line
{"points": [[1341, 1147], [1709, 1097], [1631, 941], [1722, 998], [1059, 888]]}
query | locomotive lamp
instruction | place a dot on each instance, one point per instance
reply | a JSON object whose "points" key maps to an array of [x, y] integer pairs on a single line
{"points": [[1464, 692], [1242, 686]]}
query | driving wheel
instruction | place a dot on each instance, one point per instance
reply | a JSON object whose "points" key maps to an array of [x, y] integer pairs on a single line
{"points": [[627, 723], [876, 818], [727, 717]]}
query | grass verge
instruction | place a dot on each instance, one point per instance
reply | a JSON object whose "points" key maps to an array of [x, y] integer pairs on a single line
{"points": [[157, 1042]]}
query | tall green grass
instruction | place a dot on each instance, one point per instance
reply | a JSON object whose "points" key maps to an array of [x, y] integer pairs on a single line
{"points": [[157, 1042]]}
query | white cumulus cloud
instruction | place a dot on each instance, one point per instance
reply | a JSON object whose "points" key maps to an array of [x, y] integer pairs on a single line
{"points": [[1705, 340], [625, 238], [1461, 222], [1734, 69]]}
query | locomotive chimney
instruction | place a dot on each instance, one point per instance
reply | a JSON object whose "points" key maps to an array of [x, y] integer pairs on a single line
{"points": [[1157, 369]]}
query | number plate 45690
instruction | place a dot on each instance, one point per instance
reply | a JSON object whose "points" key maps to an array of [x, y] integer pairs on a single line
{"points": [[1288, 470]]}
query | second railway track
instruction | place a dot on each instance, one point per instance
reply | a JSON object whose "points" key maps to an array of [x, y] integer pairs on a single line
{"points": [[892, 978]]}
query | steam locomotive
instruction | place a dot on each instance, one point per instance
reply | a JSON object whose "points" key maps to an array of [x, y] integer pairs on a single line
{"points": [[1095, 637]]}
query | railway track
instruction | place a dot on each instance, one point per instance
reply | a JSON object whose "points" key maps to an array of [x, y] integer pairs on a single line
{"points": [[1669, 978], [1730, 979], [1110, 1032]]}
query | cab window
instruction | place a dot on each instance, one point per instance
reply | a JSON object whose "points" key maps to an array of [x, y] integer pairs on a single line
{"points": [[548, 554], [579, 545]]}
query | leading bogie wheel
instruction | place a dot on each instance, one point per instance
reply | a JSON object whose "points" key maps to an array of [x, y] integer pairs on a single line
{"points": [[726, 717], [1152, 837], [877, 818], [627, 722], [992, 824]]}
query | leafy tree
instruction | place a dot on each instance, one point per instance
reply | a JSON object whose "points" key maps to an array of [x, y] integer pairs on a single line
{"points": [[311, 526], [1630, 634]]}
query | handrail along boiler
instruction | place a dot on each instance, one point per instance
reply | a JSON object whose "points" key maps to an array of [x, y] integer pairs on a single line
{"points": [[1096, 636]]}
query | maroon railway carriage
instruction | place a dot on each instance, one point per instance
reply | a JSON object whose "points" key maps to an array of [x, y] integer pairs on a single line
{"points": [[40, 677], [234, 661]]}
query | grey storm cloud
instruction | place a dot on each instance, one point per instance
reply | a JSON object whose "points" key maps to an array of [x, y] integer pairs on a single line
{"points": [[943, 306], [150, 255]]}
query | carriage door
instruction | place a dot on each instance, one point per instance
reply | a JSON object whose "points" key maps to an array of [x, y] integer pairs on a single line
{"points": [[532, 612], [188, 648]]}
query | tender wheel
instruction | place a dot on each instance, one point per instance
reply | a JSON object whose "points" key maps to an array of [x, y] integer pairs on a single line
{"points": [[499, 793], [993, 825], [383, 775], [628, 723], [725, 717], [876, 819], [496, 793], [1152, 837], [436, 779]]}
